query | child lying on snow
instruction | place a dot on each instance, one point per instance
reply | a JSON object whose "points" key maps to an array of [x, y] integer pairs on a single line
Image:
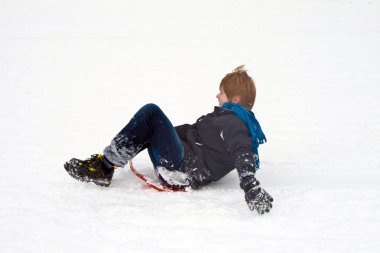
{"points": [[203, 152]]}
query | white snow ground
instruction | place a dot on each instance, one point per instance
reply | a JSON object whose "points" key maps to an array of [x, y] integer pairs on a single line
{"points": [[72, 73]]}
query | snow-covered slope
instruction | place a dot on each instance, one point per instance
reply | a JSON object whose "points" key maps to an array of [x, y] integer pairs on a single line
{"points": [[72, 73]]}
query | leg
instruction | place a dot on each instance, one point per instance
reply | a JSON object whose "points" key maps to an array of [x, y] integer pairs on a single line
{"points": [[149, 128]]}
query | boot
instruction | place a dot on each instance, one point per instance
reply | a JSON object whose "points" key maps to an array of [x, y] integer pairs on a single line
{"points": [[91, 170]]}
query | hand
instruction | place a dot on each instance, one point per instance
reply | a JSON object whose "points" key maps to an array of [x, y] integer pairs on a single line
{"points": [[255, 196], [197, 173], [197, 177], [258, 199]]}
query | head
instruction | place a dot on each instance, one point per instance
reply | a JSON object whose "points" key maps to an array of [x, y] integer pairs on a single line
{"points": [[237, 87]]}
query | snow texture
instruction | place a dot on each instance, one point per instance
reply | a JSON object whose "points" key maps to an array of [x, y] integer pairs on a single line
{"points": [[72, 74]]}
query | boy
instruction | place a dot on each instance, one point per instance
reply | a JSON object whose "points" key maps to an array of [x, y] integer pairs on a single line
{"points": [[200, 153]]}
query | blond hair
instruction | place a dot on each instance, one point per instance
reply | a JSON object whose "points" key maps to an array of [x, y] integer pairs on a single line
{"points": [[239, 84]]}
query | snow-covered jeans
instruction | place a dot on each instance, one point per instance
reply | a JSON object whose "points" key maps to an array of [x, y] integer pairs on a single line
{"points": [[149, 128]]}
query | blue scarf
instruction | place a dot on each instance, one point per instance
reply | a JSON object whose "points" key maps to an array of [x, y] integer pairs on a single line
{"points": [[253, 125]]}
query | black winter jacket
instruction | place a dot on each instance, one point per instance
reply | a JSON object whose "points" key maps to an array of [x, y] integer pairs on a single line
{"points": [[216, 144]]}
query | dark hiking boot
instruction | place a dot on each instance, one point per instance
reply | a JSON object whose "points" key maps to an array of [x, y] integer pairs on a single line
{"points": [[90, 170]]}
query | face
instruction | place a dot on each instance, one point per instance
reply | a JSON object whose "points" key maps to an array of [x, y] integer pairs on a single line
{"points": [[222, 97]]}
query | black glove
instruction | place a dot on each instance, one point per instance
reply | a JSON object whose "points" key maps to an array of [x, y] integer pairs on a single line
{"points": [[197, 173], [197, 177], [255, 196]]}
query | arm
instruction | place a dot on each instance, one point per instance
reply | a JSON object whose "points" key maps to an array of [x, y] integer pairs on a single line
{"points": [[255, 196], [239, 144]]}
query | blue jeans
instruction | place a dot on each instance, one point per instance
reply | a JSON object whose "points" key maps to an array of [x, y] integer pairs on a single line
{"points": [[149, 128]]}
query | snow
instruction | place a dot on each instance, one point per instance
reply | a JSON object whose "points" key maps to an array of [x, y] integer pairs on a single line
{"points": [[72, 74]]}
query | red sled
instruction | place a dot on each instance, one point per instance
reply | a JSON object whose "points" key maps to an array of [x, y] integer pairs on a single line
{"points": [[162, 187]]}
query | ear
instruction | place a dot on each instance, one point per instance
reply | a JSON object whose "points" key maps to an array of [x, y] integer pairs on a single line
{"points": [[236, 100]]}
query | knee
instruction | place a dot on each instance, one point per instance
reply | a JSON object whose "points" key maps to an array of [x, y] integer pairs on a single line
{"points": [[151, 108]]}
